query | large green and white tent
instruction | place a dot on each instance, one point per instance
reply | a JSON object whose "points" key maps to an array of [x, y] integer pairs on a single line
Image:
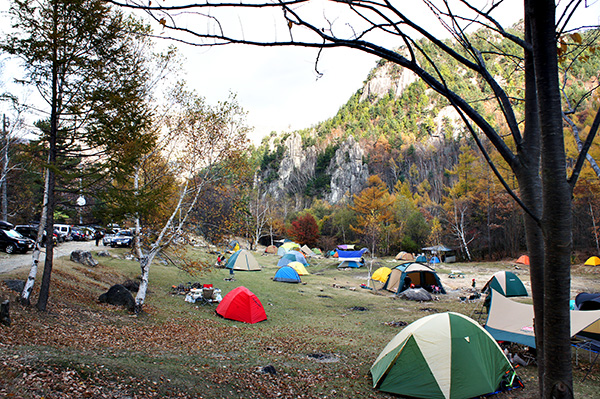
{"points": [[445, 355]]}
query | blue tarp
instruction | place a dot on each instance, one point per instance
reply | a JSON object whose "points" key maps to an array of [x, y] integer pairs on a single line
{"points": [[352, 254]]}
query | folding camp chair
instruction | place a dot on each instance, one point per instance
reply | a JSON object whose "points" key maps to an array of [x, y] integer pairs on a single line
{"points": [[207, 296]]}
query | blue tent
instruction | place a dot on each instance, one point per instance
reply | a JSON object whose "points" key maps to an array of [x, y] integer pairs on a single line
{"points": [[435, 259], [421, 258], [287, 275], [292, 256]]}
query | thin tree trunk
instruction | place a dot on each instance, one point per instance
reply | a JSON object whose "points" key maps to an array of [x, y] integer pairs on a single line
{"points": [[45, 285], [595, 229], [35, 258], [4, 172]]}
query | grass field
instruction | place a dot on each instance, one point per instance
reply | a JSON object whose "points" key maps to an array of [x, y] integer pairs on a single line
{"points": [[321, 337]]}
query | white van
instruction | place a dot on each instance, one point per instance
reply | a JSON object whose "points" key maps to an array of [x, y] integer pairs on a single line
{"points": [[64, 230]]}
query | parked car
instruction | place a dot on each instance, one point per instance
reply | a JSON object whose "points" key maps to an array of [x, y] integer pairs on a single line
{"points": [[12, 241], [6, 226], [123, 238], [77, 234], [31, 231], [108, 237], [64, 230]]}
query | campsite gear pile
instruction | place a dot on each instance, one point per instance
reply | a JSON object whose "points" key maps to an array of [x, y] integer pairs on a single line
{"points": [[205, 295]]}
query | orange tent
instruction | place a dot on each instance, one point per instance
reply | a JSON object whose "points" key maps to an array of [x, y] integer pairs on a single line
{"points": [[523, 259]]}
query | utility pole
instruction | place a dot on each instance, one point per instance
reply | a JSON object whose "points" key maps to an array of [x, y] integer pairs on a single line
{"points": [[3, 188]]}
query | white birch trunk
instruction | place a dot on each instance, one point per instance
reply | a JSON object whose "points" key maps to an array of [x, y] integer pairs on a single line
{"points": [[35, 257]]}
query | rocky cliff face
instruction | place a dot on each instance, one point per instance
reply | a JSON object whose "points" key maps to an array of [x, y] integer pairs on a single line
{"points": [[388, 77], [297, 167], [347, 170], [296, 170]]}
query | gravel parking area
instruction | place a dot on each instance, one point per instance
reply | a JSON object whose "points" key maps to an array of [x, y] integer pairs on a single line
{"points": [[12, 262]]}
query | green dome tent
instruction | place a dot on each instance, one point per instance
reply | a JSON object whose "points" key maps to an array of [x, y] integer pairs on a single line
{"points": [[445, 356], [506, 283]]}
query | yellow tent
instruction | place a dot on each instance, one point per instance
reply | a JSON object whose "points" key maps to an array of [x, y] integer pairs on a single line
{"points": [[593, 261], [299, 268], [381, 274]]}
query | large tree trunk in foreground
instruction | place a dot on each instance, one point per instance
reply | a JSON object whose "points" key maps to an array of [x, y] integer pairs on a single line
{"points": [[556, 219]]}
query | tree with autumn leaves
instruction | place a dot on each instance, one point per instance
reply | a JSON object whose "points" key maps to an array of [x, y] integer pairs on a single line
{"points": [[304, 230], [374, 217]]}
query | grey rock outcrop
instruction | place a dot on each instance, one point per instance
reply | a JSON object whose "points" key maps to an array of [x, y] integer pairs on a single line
{"points": [[296, 169], [83, 257], [348, 172], [388, 77]]}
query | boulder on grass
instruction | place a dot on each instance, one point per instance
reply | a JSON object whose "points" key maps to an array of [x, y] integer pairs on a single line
{"points": [[118, 295], [132, 285], [83, 257]]}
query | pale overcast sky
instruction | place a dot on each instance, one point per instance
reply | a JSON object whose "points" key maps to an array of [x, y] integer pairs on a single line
{"points": [[278, 87]]}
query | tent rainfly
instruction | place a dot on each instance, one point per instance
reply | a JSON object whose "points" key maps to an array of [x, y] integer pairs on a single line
{"points": [[287, 246], [299, 268], [271, 249], [292, 256], [242, 260], [381, 274], [286, 274], [513, 321], [402, 255], [442, 356], [351, 258], [417, 273], [523, 260], [242, 305], [506, 283], [307, 251], [592, 261]]}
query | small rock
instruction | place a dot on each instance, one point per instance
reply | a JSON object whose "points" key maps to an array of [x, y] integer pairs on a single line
{"points": [[267, 370]]}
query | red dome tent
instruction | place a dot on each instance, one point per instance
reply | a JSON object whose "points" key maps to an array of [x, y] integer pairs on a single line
{"points": [[242, 305]]}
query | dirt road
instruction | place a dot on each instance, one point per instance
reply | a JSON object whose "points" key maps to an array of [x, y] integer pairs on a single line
{"points": [[12, 262]]}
